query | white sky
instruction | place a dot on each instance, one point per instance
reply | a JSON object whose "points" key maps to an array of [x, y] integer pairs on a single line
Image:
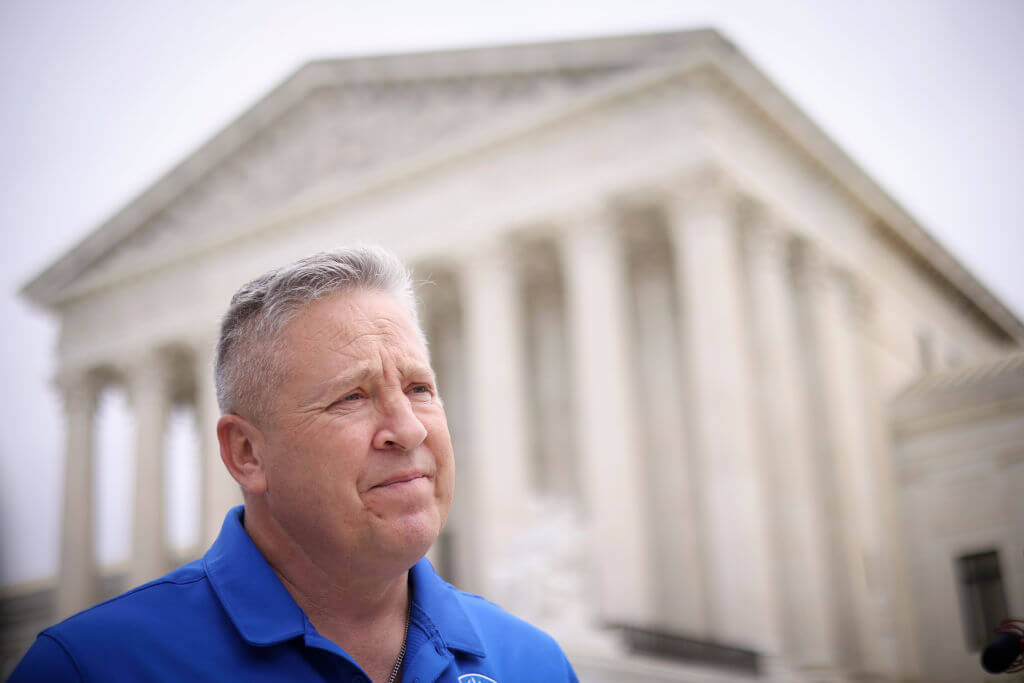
{"points": [[98, 99]]}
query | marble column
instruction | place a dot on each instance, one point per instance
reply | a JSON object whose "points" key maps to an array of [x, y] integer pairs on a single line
{"points": [[807, 616], [607, 430], [739, 603], [555, 472], [494, 478], [442, 320], [76, 581], [678, 583], [218, 490], [846, 443], [889, 608], [149, 387]]}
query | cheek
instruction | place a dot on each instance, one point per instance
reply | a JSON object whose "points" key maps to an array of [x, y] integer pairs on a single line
{"points": [[442, 449], [321, 465]]}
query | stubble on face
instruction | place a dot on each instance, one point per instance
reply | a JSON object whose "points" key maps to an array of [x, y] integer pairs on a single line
{"points": [[359, 457]]}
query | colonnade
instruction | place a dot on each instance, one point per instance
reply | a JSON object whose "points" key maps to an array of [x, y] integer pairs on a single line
{"points": [[717, 416], [702, 363], [153, 381]]}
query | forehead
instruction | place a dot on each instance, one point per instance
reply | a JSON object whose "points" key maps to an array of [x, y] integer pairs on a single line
{"points": [[347, 332], [350, 325]]}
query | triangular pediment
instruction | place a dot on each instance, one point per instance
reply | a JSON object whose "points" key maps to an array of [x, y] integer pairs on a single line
{"points": [[342, 120], [340, 125]]}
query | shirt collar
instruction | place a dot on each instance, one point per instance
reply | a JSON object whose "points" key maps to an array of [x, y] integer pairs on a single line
{"points": [[256, 601], [438, 602], [264, 612]]}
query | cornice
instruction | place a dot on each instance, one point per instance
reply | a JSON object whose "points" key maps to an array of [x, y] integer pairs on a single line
{"points": [[959, 378], [979, 388], [44, 288], [773, 105]]}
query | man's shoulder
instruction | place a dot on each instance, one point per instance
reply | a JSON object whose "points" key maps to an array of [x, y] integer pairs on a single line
{"points": [[126, 627], [184, 589]]}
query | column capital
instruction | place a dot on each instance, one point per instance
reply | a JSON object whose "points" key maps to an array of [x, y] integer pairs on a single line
{"points": [[862, 298], [494, 256], [77, 385], [815, 271], [703, 189], [538, 261], [144, 360], [850, 293], [147, 371], [764, 233], [598, 216], [438, 290]]}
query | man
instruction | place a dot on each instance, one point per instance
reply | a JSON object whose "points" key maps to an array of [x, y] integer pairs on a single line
{"points": [[333, 427]]}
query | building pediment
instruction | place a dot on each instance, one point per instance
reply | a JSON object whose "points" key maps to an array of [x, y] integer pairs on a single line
{"points": [[338, 127], [338, 121]]}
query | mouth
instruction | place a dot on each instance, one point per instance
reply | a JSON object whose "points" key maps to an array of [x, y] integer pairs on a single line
{"points": [[400, 480]]}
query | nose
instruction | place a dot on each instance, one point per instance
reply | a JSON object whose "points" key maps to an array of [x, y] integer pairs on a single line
{"points": [[399, 427]]}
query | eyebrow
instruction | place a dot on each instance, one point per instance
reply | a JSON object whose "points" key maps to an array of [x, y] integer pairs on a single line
{"points": [[334, 385]]}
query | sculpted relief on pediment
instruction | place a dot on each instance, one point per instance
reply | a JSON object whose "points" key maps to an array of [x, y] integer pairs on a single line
{"points": [[334, 134]]}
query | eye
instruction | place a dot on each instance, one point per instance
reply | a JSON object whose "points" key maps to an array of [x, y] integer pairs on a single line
{"points": [[420, 391], [349, 399]]}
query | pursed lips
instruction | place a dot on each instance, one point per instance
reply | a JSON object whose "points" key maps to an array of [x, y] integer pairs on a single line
{"points": [[401, 478]]}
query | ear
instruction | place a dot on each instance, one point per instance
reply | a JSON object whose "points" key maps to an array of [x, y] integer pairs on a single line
{"points": [[241, 451]]}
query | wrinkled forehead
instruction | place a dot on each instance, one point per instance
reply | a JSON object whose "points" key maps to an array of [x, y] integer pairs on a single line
{"points": [[353, 324]]}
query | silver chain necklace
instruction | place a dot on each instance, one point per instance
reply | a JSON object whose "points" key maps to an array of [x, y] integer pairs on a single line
{"points": [[405, 641]]}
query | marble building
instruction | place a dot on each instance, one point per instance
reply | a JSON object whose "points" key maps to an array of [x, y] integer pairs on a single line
{"points": [[669, 318], [958, 442]]}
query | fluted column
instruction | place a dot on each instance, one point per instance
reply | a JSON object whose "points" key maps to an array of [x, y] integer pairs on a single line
{"points": [[555, 472], [807, 616], [76, 583], [738, 571], [848, 451], [678, 585], [494, 478], [218, 491], [150, 392], [452, 554], [890, 608], [607, 430]]}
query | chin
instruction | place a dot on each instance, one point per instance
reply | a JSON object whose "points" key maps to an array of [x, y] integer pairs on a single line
{"points": [[412, 535]]}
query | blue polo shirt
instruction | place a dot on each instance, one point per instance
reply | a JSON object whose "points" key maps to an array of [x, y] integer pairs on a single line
{"points": [[227, 617]]}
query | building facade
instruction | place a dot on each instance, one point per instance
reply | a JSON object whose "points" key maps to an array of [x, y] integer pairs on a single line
{"points": [[668, 317], [958, 442]]}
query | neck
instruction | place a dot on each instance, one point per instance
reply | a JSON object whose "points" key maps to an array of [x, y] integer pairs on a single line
{"points": [[359, 607]]}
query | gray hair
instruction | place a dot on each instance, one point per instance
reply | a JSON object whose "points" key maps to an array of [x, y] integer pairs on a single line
{"points": [[246, 360]]}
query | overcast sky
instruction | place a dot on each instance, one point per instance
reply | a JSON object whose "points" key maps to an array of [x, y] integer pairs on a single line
{"points": [[99, 99]]}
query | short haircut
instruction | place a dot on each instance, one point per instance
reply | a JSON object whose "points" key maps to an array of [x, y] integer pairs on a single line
{"points": [[247, 362]]}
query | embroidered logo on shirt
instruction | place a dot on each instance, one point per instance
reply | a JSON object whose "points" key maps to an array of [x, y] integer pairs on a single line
{"points": [[476, 678]]}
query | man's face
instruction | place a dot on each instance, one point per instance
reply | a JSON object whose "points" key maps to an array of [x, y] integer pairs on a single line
{"points": [[358, 457]]}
